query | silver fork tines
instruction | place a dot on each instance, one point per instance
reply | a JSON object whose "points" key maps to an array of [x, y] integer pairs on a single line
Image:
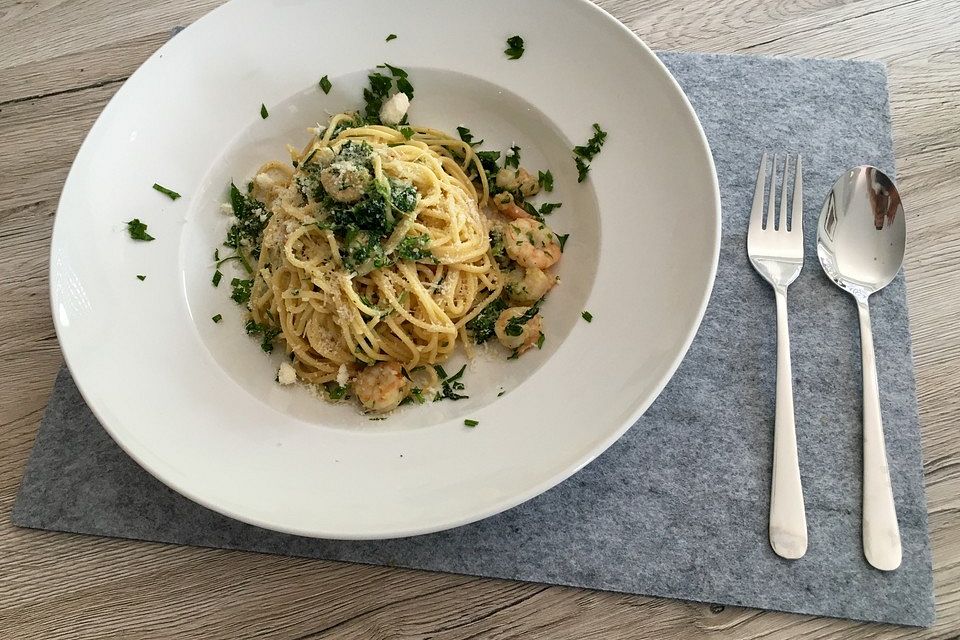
{"points": [[775, 249]]}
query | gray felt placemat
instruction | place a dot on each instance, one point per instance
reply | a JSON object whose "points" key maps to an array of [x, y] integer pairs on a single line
{"points": [[677, 507]]}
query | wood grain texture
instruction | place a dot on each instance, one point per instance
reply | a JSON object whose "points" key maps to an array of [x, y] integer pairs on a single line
{"points": [[61, 60]]}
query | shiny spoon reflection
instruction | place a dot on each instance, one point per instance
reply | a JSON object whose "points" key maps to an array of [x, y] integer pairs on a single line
{"points": [[860, 242]]}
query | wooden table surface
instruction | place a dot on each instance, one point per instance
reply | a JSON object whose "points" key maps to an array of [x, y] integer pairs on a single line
{"points": [[61, 60]]}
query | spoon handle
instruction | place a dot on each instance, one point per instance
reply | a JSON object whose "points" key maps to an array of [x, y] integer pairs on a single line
{"points": [[881, 534], [788, 522]]}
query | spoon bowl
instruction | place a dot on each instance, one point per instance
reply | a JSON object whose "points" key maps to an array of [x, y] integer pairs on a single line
{"points": [[861, 237], [862, 232]]}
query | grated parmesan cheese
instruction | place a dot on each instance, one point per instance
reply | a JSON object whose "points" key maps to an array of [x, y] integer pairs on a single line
{"points": [[343, 376], [286, 374]]}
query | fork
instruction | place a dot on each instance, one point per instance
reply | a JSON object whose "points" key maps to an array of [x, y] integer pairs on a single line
{"points": [[775, 248]]}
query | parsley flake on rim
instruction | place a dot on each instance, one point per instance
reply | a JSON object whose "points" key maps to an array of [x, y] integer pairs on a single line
{"points": [[325, 84], [217, 318], [584, 153], [217, 276], [470, 423], [449, 386], [263, 111], [173, 195], [138, 231], [587, 316], [562, 239], [141, 278], [514, 47], [390, 37]]}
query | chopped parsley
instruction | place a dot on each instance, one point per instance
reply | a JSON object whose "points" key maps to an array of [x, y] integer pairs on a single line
{"points": [[547, 207], [582, 169], [335, 391], [467, 137], [414, 248], [501, 393], [449, 386], [587, 316], [584, 153], [512, 158], [263, 111], [545, 178], [481, 327], [407, 132], [380, 87], [514, 47], [498, 248], [217, 276], [241, 290], [173, 195], [470, 423], [266, 333], [415, 396], [217, 318], [138, 230], [392, 36], [515, 325], [141, 278], [252, 218], [325, 84], [540, 340], [562, 239]]}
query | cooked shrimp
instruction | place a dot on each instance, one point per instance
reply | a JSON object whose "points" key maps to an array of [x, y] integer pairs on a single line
{"points": [[526, 286], [381, 387], [345, 181], [518, 180], [530, 243], [504, 203], [519, 337]]}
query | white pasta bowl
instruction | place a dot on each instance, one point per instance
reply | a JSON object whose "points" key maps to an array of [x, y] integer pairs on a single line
{"points": [[195, 403]]}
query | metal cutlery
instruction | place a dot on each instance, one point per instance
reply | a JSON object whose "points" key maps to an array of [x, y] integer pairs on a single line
{"points": [[775, 249], [861, 237]]}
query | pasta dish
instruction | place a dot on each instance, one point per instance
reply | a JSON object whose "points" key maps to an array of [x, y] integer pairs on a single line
{"points": [[382, 246]]}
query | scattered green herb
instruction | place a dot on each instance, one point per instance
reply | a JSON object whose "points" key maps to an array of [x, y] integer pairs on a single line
{"points": [[545, 178], [266, 333], [514, 47], [449, 386], [471, 423], [467, 137], [263, 111], [241, 290], [335, 391], [481, 327], [512, 158], [141, 278], [584, 153], [379, 90], [173, 195], [587, 316], [540, 340], [217, 276], [407, 132], [562, 239], [217, 318], [414, 248], [252, 217], [377, 418], [392, 36], [501, 393], [138, 230], [514, 325], [325, 84]]}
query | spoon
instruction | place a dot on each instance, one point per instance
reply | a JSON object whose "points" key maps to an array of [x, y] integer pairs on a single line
{"points": [[860, 241]]}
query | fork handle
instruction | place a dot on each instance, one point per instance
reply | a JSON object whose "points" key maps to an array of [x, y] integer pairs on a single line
{"points": [[788, 521], [881, 534]]}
